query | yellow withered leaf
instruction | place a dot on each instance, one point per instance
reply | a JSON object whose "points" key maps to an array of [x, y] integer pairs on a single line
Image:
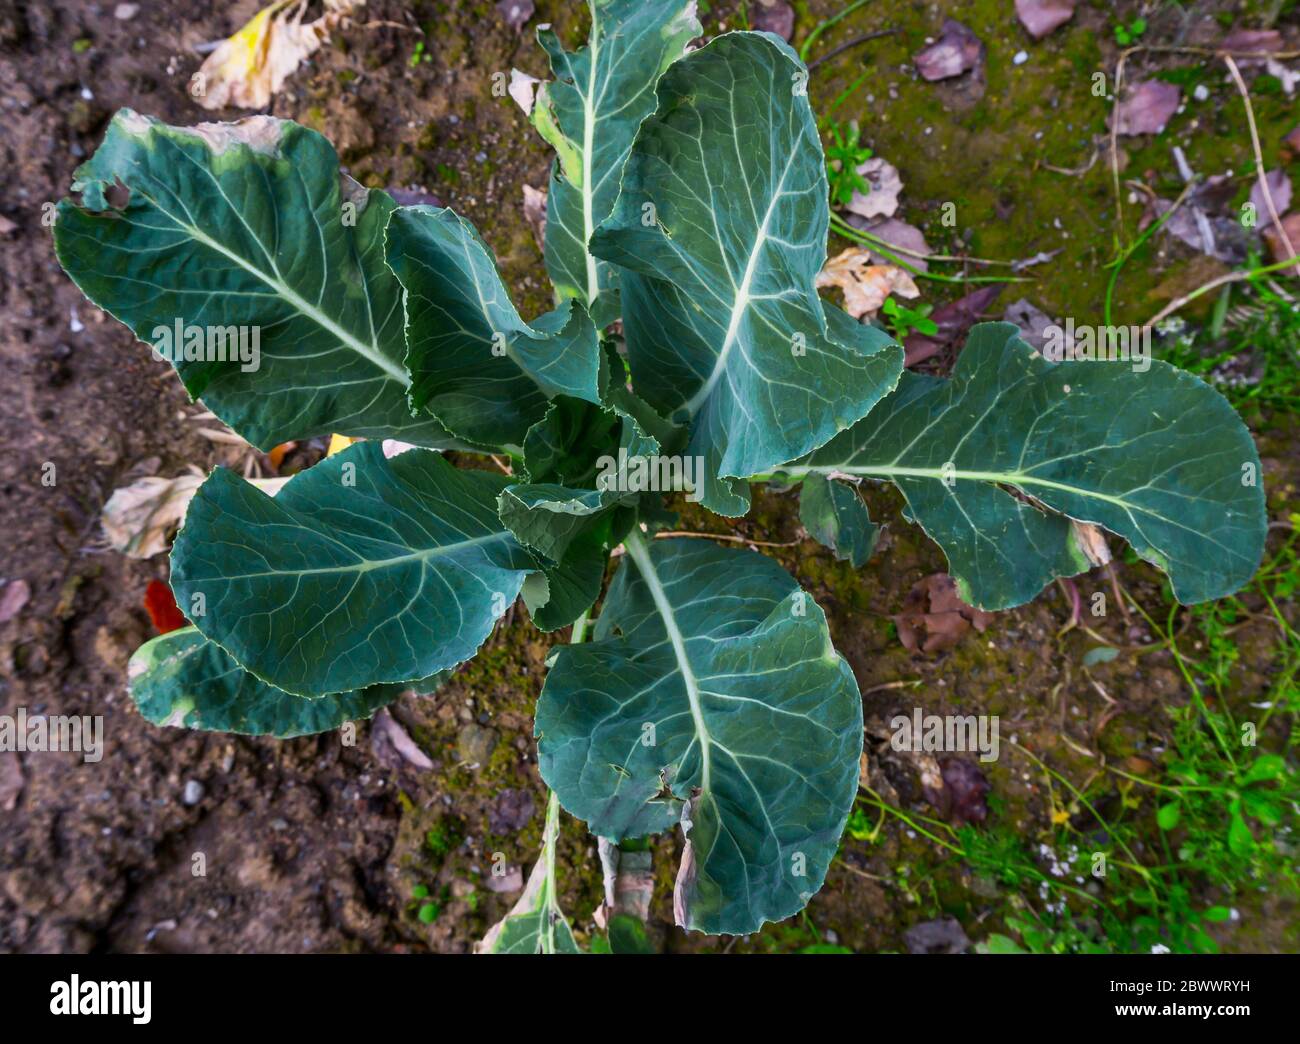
{"points": [[249, 67]]}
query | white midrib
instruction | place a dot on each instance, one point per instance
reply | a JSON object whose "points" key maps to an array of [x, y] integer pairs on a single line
{"points": [[588, 143], [741, 303], [636, 547], [367, 351], [369, 565], [1014, 478]]}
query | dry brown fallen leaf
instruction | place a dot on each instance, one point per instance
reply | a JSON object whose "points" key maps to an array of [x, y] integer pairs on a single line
{"points": [[1251, 40], [1040, 17], [882, 200], [1291, 223], [1092, 541], [1033, 322], [899, 238], [1147, 107], [952, 321], [247, 68], [1279, 187], [773, 16], [139, 518], [957, 51], [865, 286], [1213, 234], [933, 609]]}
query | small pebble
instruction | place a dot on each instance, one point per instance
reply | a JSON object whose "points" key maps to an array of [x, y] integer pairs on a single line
{"points": [[193, 793], [1021, 57], [125, 12], [1201, 92]]}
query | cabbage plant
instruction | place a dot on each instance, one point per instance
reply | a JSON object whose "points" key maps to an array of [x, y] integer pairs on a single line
{"points": [[687, 353]]}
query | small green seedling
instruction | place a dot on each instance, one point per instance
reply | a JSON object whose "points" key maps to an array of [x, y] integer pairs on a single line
{"points": [[1126, 35], [844, 155], [903, 320]]}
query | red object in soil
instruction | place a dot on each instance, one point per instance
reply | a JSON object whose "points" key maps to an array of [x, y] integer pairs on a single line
{"points": [[160, 604]]}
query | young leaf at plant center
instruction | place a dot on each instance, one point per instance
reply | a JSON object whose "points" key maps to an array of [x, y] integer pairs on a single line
{"points": [[563, 447], [573, 529], [577, 529], [362, 569], [590, 114], [184, 679], [535, 924], [710, 674], [721, 227], [1158, 457], [239, 231], [549, 518], [567, 445], [475, 364], [834, 515]]}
